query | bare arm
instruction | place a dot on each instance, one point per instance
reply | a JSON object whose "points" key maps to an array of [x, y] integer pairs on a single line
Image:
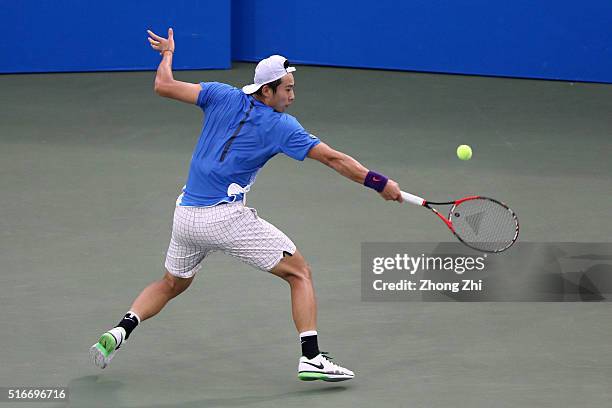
{"points": [[165, 84], [342, 163], [351, 169]]}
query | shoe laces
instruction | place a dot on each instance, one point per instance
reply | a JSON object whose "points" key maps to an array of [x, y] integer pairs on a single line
{"points": [[329, 358]]}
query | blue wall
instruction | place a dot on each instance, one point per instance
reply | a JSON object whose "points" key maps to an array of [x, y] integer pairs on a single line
{"points": [[531, 39], [73, 35], [553, 39]]}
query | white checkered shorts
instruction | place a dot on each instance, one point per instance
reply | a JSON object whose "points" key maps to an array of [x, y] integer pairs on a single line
{"points": [[232, 228]]}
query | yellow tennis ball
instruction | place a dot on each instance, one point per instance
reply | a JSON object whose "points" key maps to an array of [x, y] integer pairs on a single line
{"points": [[464, 152]]}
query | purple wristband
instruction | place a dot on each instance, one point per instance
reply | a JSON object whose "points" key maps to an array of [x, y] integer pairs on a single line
{"points": [[376, 181]]}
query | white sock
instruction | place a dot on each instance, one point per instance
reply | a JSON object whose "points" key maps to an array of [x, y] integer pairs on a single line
{"points": [[308, 333], [135, 315]]}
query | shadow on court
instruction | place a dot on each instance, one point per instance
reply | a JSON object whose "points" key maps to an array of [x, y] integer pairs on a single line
{"points": [[97, 391]]}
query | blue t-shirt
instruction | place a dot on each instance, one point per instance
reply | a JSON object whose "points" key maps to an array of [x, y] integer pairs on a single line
{"points": [[239, 135]]}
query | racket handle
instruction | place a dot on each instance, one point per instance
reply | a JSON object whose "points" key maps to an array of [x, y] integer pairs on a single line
{"points": [[412, 199]]}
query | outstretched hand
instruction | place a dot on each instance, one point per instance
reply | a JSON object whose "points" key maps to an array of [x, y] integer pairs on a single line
{"points": [[161, 44]]}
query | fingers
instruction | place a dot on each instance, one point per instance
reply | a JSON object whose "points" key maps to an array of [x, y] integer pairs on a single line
{"points": [[156, 45], [394, 197], [155, 36], [392, 192], [390, 196], [397, 193], [170, 33]]}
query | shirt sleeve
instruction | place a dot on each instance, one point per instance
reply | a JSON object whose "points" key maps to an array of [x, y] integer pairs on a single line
{"points": [[296, 142], [211, 93]]}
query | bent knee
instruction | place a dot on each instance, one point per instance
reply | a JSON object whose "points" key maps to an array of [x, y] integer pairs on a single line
{"points": [[176, 285], [298, 273]]}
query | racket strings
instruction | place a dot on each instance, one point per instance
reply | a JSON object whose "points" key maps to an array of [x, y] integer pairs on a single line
{"points": [[485, 224]]}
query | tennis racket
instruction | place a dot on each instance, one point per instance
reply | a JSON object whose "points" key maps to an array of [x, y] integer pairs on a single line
{"points": [[481, 223]]}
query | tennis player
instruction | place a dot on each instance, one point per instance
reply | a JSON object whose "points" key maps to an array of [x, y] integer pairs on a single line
{"points": [[242, 130]]}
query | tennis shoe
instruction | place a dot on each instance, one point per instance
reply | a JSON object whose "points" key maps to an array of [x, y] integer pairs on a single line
{"points": [[107, 346], [321, 367]]}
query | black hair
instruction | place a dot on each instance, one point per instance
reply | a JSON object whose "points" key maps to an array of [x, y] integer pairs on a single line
{"points": [[274, 84]]}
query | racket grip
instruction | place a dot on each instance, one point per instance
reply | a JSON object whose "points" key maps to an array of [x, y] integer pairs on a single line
{"points": [[412, 199]]}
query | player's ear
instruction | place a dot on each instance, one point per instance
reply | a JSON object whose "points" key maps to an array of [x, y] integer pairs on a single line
{"points": [[265, 91]]}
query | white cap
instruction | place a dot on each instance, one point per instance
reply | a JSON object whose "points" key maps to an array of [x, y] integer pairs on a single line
{"points": [[268, 70]]}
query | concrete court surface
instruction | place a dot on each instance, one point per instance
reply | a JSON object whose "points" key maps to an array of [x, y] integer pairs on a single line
{"points": [[90, 168]]}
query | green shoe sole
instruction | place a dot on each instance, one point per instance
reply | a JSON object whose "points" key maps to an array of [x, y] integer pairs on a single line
{"points": [[312, 376], [106, 344]]}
